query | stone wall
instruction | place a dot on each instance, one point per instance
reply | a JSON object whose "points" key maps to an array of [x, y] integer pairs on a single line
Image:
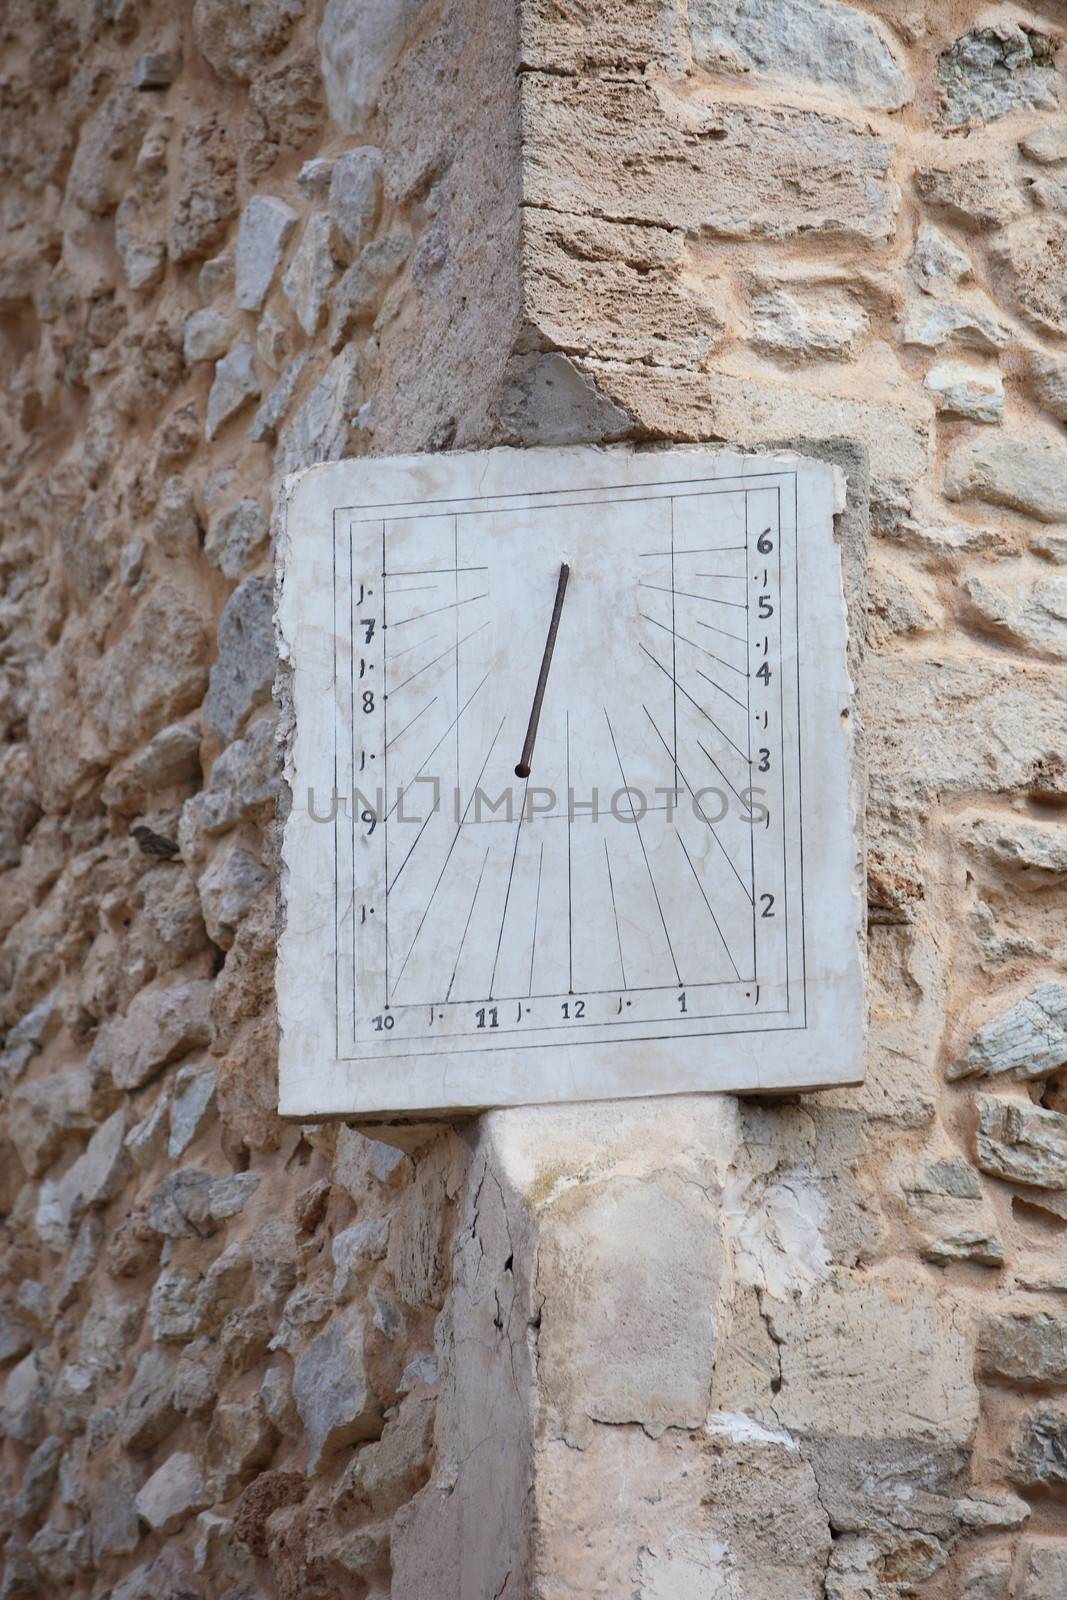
{"points": [[244, 1358]]}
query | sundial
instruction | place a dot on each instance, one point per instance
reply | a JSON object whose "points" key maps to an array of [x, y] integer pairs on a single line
{"points": [[570, 781]]}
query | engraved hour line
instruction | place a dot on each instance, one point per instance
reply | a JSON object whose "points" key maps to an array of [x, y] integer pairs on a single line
{"points": [[736, 637], [614, 912], [700, 809], [507, 892], [435, 749], [466, 925], [719, 770], [720, 688], [722, 662], [641, 842], [451, 606], [699, 707], [398, 653], [537, 908], [413, 721], [707, 902], [436, 659], [684, 594], [389, 887], [710, 550], [448, 857]]}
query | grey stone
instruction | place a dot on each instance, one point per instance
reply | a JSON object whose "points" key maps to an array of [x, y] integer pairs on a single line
{"points": [[148, 1140], [99, 173], [160, 1026], [982, 192], [1030, 260], [991, 1510], [64, 1554], [174, 1309], [994, 71], [271, 414], [1038, 1459], [84, 1254], [139, 245], [806, 322], [321, 430], [45, 1113], [937, 262], [157, 69], [190, 1204], [332, 1391], [206, 335], [354, 1249], [91, 1181], [16, 1333], [1022, 1143], [266, 225], [244, 672], [215, 277], [234, 386], [196, 1377], [381, 1476], [114, 1529], [1025, 1347], [229, 887], [175, 524], [929, 323], [25, 1396], [172, 757], [1044, 1573], [987, 1578], [546, 400], [362, 287], [358, 46], [149, 1414], [239, 37], [313, 179], [234, 536], [308, 277], [355, 194], [276, 1392], [1048, 376], [244, 781], [192, 1106], [976, 393], [1029, 1039], [172, 1494], [1034, 853], [38, 1480], [275, 1257], [1022, 469], [1046, 144], [240, 1442], [305, 1308], [828, 45]]}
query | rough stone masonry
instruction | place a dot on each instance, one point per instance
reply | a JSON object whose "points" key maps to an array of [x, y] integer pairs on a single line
{"points": [[241, 1358]]}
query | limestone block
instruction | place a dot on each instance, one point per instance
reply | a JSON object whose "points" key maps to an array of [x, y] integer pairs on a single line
{"points": [[798, 322], [113, 1524], [206, 335], [215, 277], [362, 287], [1031, 259], [192, 1106], [322, 428], [359, 46], [332, 1391], [235, 385], [147, 1141], [902, 1338], [172, 1494], [736, 171], [1048, 378], [310, 274], [1034, 854], [1028, 1040], [271, 414], [949, 1216], [175, 524], [238, 37], [381, 1476], [1044, 1573], [623, 291], [1022, 1143], [188, 1203], [240, 1441], [980, 192], [92, 1181], [1022, 469], [931, 322], [38, 1481], [109, 140], [266, 226], [229, 886], [994, 71], [1038, 1458], [354, 199], [140, 245], [153, 674], [285, 111], [1046, 144], [937, 262], [160, 1026], [244, 672], [243, 784], [275, 1257], [987, 1577], [174, 1309], [354, 1249], [821, 43], [976, 393], [148, 1413], [313, 179], [45, 1113], [1025, 1347], [1031, 617]]}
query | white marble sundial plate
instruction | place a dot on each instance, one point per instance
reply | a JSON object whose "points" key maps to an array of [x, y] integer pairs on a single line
{"points": [[669, 900]]}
